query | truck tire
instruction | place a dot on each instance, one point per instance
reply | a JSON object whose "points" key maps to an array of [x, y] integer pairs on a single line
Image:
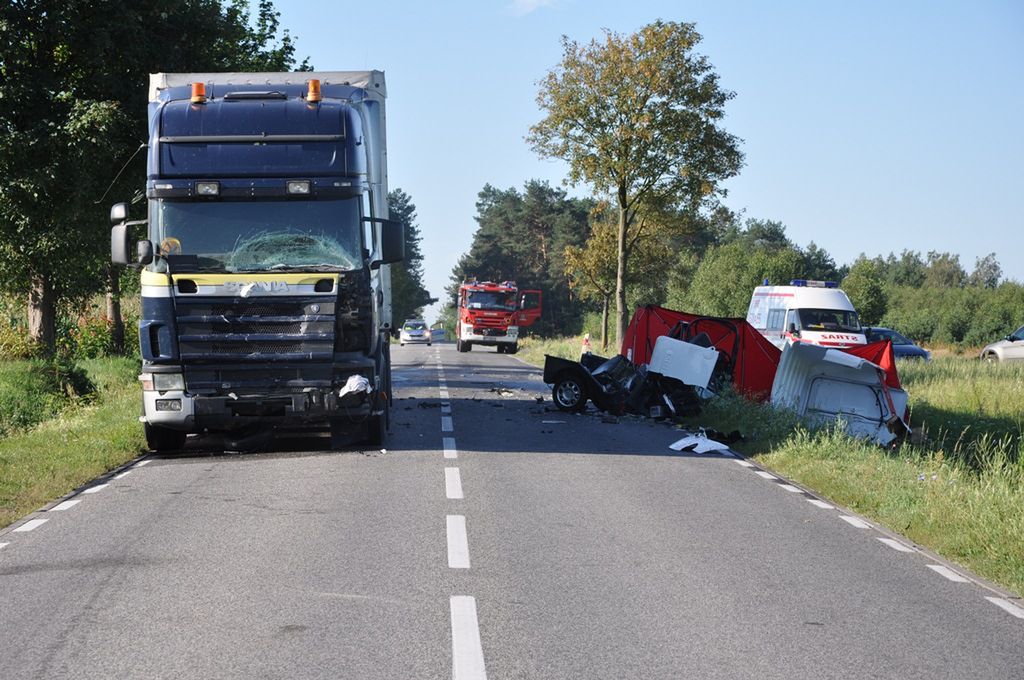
{"points": [[161, 439], [569, 393], [462, 345], [512, 349], [376, 430]]}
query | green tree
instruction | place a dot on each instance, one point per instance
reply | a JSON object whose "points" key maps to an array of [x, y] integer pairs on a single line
{"points": [[944, 271], [864, 285], [987, 272], [638, 117], [408, 294], [73, 110]]}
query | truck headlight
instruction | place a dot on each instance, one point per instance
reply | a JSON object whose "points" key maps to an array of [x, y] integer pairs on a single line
{"points": [[208, 188], [298, 187], [168, 381]]}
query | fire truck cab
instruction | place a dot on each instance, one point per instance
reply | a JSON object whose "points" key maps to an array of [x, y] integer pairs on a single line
{"points": [[491, 314]]}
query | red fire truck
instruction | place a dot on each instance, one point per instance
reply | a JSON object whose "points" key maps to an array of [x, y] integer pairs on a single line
{"points": [[491, 314]]}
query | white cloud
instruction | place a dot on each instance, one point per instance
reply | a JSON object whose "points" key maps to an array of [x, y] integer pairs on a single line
{"points": [[523, 7]]}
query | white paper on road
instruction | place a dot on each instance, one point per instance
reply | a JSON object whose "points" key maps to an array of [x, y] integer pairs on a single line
{"points": [[697, 444]]}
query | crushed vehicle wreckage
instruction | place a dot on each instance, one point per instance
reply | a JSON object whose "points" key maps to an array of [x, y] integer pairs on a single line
{"points": [[671, 361]]}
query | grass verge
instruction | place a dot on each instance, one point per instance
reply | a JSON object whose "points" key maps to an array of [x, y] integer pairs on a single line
{"points": [[959, 490], [81, 442]]}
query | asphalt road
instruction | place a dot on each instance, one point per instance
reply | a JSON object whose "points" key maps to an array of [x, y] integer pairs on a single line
{"points": [[491, 538]]}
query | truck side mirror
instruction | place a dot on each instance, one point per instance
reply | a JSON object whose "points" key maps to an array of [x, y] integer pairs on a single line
{"points": [[118, 213], [144, 251], [392, 243], [793, 330], [119, 242]]}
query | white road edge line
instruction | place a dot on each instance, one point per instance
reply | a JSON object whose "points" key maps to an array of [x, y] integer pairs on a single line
{"points": [[947, 573], [2, 545], [762, 473], [31, 524], [896, 545], [791, 488], [1003, 604], [446, 423], [96, 489], [458, 544], [66, 505], [819, 504], [143, 462], [467, 652], [448, 443], [453, 483], [744, 463], [855, 522], [122, 474]]}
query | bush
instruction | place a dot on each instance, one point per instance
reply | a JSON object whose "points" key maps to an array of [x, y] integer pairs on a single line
{"points": [[34, 390]]}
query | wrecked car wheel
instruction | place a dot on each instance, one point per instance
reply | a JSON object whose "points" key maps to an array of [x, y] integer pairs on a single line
{"points": [[569, 394]]}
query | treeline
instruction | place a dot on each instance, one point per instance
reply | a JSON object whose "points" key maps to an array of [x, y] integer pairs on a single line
{"points": [[710, 264]]}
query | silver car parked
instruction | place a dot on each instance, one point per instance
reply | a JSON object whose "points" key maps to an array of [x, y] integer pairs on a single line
{"points": [[1010, 348]]}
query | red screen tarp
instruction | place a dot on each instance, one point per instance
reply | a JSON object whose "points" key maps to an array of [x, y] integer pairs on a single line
{"points": [[754, 358]]}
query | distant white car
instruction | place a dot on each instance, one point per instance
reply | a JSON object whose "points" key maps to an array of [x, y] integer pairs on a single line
{"points": [[1010, 348], [414, 330]]}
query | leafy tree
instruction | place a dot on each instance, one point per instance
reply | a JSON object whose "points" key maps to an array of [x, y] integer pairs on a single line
{"points": [[638, 117], [818, 265], [408, 295], [73, 110], [944, 271], [987, 272], [907, 270], [864, 285]]}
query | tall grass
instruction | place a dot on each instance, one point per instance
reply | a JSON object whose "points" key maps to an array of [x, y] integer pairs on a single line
{"points": [[81, 442]]}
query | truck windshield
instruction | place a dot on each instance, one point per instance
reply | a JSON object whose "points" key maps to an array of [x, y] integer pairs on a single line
{"points": [[246, 236], [480, 299], [829, 320]]}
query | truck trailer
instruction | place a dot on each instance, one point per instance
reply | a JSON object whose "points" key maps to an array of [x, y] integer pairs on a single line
{"points": [[266, 296]]}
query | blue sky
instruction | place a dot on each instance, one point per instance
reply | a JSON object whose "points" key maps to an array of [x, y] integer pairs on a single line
{"points": [[867, 126]]}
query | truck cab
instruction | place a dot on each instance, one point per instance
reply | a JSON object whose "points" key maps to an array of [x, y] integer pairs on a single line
{"points": [[815, 312], [264, 263], [491, 314]]}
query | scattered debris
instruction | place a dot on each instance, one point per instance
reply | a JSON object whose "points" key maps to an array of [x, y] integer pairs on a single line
{"points": [[698, 444], [503, 391], [429, 404]]}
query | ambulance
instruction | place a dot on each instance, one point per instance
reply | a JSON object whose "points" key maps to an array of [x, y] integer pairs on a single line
{"points": [[815, 312]]}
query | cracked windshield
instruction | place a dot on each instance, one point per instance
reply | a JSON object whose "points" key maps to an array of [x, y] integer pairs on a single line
{"points": [[247, 236]]}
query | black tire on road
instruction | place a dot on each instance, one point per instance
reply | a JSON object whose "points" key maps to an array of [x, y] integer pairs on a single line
{"points": [[161, 439], [462, 345], [512, 349], [569, 393], [376, 430]]}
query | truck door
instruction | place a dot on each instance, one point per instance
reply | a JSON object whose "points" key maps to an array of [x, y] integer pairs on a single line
{"points": [[529, 307]]}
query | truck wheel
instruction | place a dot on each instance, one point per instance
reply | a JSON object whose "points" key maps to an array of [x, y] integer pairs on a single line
{"points": [[376, 430], [462, 345], [569, 394], [161, 439], [512, 349]]}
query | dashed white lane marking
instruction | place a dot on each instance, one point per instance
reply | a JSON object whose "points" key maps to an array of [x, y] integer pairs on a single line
{"points": [[467, 652], [66, 505], [2, 545], [855, 521], [762, 473], [744, 463], [452, 483], [896, 545], [31, 524], [458, 544], [143, 462], [443, 393], [96, 489], [446, 423], [449, 447], [122, 474], [947, 573], [1006, 605], [446, 408], [819, 504], [791, 488]]}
